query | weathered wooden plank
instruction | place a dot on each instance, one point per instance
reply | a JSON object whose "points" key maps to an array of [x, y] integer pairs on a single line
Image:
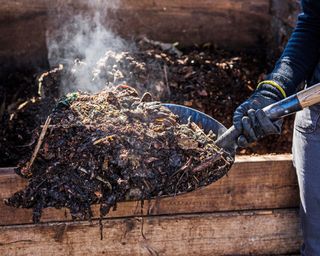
{"points": [[285, 14], [227, 23], [286, 11], [21, 8], [245, 233], [254, 182], [230, 24]]}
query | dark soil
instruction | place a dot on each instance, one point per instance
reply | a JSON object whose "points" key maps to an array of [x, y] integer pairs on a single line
{"points": [[205, 78], [22, 110], [114, 146]]}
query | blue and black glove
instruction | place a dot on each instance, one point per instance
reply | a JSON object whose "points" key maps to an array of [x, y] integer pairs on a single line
{"points": [[249, 118]]}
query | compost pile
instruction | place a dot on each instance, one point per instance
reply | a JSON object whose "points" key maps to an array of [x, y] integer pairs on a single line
{"points": [[115, 146], [211, 80]]}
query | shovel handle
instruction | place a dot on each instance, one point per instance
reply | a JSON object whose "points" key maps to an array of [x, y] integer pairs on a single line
{"points": [[287, 106], [309, 96], [228, 138]]}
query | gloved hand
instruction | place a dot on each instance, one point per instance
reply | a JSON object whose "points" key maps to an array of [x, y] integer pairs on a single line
{"points": [[251, 121]]}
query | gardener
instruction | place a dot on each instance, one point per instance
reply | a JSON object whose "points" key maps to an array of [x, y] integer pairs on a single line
{"points": [[299, 62]]}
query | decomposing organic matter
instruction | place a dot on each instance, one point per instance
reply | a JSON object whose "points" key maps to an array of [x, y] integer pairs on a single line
{"points": [[115, 146], [205, 78]]}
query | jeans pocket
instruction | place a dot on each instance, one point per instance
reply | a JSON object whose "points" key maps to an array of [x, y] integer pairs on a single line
{"points": [[306, 121]]}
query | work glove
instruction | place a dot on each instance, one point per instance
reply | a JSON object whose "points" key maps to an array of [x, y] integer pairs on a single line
{"points": [[251, 121]]}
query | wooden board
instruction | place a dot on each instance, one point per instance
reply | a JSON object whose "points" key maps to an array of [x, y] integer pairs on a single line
{"points": [[235, 23], [245, 233], [227, 23], [286, 11], [285, 14], [254, 182]]}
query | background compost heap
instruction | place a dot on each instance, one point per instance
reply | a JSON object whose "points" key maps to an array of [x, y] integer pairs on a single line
{"points": [[115, 146]]}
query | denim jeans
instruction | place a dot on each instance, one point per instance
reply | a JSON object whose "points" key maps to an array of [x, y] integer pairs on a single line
{"points": [[306, 158]]}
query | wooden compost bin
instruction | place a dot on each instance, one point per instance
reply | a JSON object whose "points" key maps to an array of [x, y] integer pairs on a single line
{"points": [[252, 211]]}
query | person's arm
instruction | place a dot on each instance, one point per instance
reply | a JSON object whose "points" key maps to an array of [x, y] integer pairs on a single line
{"points": [[302, 51], [296, 64]]}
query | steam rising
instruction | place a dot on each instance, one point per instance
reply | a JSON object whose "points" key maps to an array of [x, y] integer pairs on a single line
{"points": [[79, 34]]}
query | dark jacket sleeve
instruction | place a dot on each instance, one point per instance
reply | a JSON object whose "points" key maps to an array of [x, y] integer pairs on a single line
{"points": [[302, 51]]}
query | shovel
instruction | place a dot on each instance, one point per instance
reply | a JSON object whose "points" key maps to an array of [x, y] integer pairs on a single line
{"points": [[226, 138]]}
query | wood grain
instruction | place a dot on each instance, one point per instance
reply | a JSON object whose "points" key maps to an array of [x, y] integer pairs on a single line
{"points": [[284, 16], [286, 11], [245, 233], [309, 96], [254, 182], [227, 23]]}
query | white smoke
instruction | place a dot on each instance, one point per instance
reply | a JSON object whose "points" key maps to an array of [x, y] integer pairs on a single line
{"points": [[81, 32]]}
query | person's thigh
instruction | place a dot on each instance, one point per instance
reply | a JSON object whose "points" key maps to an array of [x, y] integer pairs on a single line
{"points": [[306, 156]]}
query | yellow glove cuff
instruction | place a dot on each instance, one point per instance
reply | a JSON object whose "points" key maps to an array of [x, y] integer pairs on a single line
{"points": [[274, 84]]}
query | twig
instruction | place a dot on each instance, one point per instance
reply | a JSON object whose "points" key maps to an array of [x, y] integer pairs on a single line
{"points": [[207, 163], [41, 78], [97, 177], [166, 79], [195, 179], [40, 140], [186, 165], [176, 187], [164, 46]]}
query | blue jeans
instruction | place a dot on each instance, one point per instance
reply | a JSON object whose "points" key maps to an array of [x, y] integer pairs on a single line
{"points": [[306, 158]]}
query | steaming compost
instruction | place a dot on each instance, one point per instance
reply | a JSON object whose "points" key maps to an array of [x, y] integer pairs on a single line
{"points": [[115, 146], [211, 80]]}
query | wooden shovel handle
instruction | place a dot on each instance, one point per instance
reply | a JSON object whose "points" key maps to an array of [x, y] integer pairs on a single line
{"points": [[309, 96]]}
